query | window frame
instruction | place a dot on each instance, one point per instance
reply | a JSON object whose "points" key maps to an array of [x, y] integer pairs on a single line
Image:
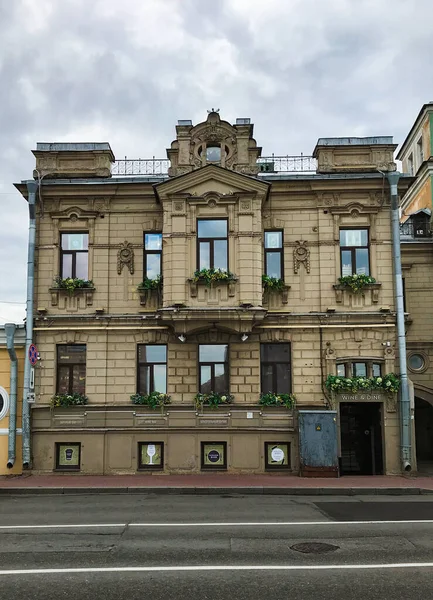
{"points": [[147, 252], [142, 466], [58, 466], [211, 243], [279, 250], [5, 408], [277, 467], [226, 364], [73, 253], [152, 375], [369, 362], [216, 467], [71, 366], [353, 249], [274, 370]]}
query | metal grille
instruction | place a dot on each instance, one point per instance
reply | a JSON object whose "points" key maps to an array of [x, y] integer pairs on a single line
{"points": [[140, 166], [287, 164], [416, 229]]}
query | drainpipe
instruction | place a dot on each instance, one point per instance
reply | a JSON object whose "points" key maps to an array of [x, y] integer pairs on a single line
{"points": [[10, 333], [406, 430], [32, 186]]}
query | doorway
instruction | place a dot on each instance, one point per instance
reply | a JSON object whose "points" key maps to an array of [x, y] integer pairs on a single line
{"points": [[361, 438], [424, 435]]}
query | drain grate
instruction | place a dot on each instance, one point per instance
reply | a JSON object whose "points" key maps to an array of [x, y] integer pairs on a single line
{"points": [[314, 547]]}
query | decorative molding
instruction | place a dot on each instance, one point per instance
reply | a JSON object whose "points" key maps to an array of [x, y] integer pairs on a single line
{"points": [[301, 254], [125, 257]]}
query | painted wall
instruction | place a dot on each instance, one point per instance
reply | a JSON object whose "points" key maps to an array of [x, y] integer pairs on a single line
{"points": [[4, 423]]}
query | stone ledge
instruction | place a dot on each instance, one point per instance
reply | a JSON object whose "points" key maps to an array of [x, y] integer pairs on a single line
{"points": [[56, 293]]}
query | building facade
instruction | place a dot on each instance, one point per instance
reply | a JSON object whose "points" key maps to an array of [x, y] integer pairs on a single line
{"points": [[416, 154], [217, 277]]}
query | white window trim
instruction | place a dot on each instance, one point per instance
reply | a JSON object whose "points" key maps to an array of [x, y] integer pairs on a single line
{"points": [[4, 411]]}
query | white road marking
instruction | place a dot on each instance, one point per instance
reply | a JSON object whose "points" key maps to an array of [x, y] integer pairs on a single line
{"points": [[216, 568], [219, 524]]}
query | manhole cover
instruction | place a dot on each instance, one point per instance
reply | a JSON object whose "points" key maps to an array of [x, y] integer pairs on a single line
{"points": [[314, 547]]}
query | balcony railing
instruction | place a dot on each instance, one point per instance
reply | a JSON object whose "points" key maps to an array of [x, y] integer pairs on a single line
{"points": [[126, 167], [415, 229]]}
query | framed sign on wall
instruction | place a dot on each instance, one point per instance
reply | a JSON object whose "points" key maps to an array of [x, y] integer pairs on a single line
{"points": [[277, 455], [150, 455], [214, 455], [68, 456]]}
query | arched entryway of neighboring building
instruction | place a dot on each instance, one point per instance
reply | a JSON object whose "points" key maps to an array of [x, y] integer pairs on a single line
{"points": [[424, 434]]}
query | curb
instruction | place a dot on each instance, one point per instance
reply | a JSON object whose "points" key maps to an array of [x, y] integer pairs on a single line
{"points": [[205, 491]]}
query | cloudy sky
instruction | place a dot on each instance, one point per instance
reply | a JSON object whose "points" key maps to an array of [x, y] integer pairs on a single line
{"points": [[125, 71]]}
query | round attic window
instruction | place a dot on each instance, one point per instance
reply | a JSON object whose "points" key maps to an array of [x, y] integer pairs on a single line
{"points": [[4, 403], [417, 362]]}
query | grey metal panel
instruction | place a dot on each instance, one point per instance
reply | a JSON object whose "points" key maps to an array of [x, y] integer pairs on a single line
{"points": [[318, 438]]}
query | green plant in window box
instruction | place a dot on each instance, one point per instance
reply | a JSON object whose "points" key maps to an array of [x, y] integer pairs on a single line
{"points": [[212, 399], [272, 284], [209, 276], [356, 282], [72, 283], [153, 400], [150, 284], [272, 399], [68, 400], [389, 383]]}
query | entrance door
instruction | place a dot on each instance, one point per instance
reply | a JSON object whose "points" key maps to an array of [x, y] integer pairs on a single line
{"points": [[361, 438], [424, 435]]}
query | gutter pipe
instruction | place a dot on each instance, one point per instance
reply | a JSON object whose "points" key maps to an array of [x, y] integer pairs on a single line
{"points": [[10, 334], [32, 186], [406, 429]]}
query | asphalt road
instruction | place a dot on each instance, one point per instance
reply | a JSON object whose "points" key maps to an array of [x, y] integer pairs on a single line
{"points": [[142, 546]]}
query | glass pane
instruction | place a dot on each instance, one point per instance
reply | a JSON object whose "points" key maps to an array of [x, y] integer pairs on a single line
{"points": [[377, 369], [205, 379], [204, 255], [416, 362], [273, 239], [144, 380], [71, 354], [213, 153], [63, 380], [79, 379], [81, 265], [341, 370], [66, 265], [75, 241], [346, 263], [151, 354], [220, 380], [210, 228], [359, 369], [267, 378], [220, 254], [283, 379], [153, 266], [362, 261], [275, 353], [212, 353], [353, 237], [273, 264], [153, 241], [160, 378]]}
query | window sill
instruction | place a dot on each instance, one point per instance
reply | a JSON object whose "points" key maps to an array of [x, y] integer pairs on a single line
{"points": [[150, 297], [194, 285], [57, 293], [370, 288], [283, 294]]}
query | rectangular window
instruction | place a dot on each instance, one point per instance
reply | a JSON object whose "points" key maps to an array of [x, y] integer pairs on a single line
{"points": [[212, 244], [277, 455], [68, 456], [420, 152], [213, 368], [214, 455], [71, 369], [152, 369], [150, 456], [354, 248], [152, 255], [275, 365], [410, 164], [74, 255], [274, 254], [359, 369]]}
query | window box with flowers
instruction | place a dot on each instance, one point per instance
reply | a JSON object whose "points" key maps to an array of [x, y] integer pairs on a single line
{"points": [[61, 400], [358, 285], [212, 277], [213, 400], [358, 389], [274, 285], [72, 286], [150, 288], [279, 400], [153, 400]]}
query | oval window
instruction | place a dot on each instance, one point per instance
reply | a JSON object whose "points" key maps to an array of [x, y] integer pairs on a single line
{"points": [[416, 362]]}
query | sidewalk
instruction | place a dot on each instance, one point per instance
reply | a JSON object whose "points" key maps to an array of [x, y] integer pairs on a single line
{"points": [[216, 483]]}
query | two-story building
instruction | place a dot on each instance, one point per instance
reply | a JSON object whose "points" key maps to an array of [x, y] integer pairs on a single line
{"points": [[212, 277]]}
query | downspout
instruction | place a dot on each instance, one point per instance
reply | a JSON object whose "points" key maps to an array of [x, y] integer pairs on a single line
{"points": [[10, 334], [405, 431], [32, 186]]}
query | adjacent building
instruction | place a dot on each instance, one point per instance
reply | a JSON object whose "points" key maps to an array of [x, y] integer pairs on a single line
{"points": [[214, 272]]}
